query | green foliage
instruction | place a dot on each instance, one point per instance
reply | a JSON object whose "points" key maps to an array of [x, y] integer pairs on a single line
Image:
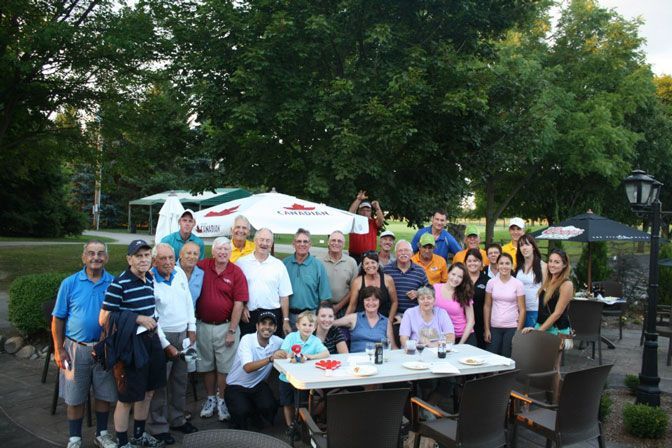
{"points": [[645, 421], [605, 406], [631, 382], [665, 276], [599, 263], [26, 296]]}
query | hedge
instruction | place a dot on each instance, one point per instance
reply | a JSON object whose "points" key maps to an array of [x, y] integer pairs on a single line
{"points": [[26, 296]]}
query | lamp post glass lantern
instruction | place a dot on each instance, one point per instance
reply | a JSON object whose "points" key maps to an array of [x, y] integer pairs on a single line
{"points": [[643, 191]]}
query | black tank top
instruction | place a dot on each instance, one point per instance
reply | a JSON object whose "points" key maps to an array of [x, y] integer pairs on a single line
{"points": [[386, 303], [546, 310]]}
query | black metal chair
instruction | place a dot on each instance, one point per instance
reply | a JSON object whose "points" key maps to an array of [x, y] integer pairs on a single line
{"points": [[481, 422], [611, 288], [231, 438], [585, 317], [536, 355], [369, 419], [575, 418]]}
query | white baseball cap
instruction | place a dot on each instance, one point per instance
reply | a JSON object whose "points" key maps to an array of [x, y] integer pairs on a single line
{"points": [[388, 233], [517, 222]]}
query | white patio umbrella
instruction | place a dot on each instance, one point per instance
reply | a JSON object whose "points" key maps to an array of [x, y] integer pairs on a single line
{"points": [[280, 213], [169, 217]]}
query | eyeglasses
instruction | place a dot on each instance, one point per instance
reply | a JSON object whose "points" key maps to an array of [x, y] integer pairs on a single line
{"points": [[302, 241]]}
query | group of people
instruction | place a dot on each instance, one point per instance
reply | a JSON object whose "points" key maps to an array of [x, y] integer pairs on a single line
{"points": [[242, 308]]}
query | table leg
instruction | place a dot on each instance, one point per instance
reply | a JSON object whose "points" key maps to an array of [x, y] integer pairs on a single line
{"points": [[610, 345]]}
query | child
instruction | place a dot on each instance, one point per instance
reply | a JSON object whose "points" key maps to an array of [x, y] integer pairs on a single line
{"points": [[311, 348]]}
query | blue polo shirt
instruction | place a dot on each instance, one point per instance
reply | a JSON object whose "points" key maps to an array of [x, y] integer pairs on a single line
{"points": [[310, 282], [195, 283], [414, 278], [128, 293], [176, 241], [78, 304], [445, 243], [312, 346]]}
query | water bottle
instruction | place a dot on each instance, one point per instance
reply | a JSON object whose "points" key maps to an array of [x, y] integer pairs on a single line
{"points": [[379, 353]]}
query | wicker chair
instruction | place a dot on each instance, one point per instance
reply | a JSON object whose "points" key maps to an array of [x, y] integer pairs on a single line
{"points": [[231, 438], [585, 317]]}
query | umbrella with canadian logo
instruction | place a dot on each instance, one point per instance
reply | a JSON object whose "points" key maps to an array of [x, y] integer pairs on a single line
{"points": [[281, 213]]}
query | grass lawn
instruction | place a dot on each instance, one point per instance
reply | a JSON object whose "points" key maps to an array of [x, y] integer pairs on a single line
{"points": [[67, 239]]}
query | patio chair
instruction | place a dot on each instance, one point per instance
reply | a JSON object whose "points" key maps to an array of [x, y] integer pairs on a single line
{"points": [[611, 288], [664, 329], [369, 419], [663, 313], [481, 422], [585, 317], [231, 438], [536, 355], [575, 418]]}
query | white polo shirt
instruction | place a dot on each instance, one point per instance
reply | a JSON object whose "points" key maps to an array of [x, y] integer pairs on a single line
{"points": [[249, 351], [266, 281], [173, 302]]}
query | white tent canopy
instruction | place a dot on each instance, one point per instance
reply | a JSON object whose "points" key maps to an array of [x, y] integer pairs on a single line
{"points": [[281, 213]]}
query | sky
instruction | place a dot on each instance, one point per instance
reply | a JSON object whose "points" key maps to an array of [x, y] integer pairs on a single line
{"points": [[657, 28]]}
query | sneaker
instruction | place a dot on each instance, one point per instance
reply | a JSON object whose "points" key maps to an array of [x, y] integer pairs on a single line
{"points": [[209, 407], [76, 443], [105, 440], [147, 440], [222, 411]]}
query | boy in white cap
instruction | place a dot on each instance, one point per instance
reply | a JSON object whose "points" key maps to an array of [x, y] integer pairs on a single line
{"points": [[516, 230]]}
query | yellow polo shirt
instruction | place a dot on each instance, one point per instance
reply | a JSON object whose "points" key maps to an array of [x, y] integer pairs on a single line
{"points": [[461, 256], [511, 249], [237, 253], [436, 270]]}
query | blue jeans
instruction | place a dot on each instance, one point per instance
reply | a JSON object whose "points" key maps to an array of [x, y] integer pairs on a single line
{"points": [[500, 342], [530, 318]]}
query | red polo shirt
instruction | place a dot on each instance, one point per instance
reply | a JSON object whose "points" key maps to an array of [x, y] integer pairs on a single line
{"points": [[219, 291], [363, 242]]}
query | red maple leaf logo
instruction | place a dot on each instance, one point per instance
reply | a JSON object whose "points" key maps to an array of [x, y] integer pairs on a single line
{"points": [[296, 206], [226, 211]]}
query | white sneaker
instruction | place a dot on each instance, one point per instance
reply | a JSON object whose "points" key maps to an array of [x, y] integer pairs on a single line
{"points": [[105, 440], [209, 407], [75, 442], [222, 410]]}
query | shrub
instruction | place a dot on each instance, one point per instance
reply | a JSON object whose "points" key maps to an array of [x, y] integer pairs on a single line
{"points": [[631, 382], [26, 296], [599, 263], [605, 406], [645, 421]]}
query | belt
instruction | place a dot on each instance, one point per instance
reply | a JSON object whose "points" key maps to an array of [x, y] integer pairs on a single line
{"points": [[84, 344], [215, 322], [299, 311]]}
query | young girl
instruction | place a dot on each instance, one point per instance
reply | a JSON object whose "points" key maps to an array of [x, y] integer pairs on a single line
{"points": [[456, 297], [530, 269], [311, 348]]}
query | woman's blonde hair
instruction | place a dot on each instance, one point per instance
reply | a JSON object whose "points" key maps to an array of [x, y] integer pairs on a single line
{"points": [[551, 284]]}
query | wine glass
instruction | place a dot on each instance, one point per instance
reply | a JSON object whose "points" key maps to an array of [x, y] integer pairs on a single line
{"points": [[386, 348], [370, 350], [420, 346]]}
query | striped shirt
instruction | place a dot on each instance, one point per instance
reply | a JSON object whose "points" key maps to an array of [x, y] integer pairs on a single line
{"points": [[334, 337], [128, 293], [404, 282]]}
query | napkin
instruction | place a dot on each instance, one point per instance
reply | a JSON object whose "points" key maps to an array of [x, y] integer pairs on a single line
{"points": [[444, 367]]}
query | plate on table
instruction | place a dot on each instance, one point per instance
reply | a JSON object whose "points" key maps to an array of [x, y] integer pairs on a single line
{"points": [[416, 365], [363, 370], [470, 361]]}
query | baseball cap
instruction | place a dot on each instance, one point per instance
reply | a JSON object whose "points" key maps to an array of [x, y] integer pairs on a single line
{"points": [[426, 239], [471, 230], [188, 211], [364, 204], [267, 315], [517, 222], [388, 233], [136, 245]]}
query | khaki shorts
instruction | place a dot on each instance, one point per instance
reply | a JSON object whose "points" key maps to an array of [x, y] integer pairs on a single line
{"points": [[212, 352], [74, 384]]}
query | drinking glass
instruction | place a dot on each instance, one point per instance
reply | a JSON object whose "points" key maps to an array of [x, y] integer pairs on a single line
{"points": [[386, 349], [410, 347], [370, 350], [420, 346]]}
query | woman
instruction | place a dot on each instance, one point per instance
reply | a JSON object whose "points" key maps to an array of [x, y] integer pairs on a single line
{"points": [[530, 270], [493, 250], [368, 325], [371, 274], [474, 262], [456, 297], [425, 322], [504, 310], [331, 337]]}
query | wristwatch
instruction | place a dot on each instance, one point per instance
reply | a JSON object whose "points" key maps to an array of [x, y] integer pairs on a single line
{"points": [[232, 331], [270, 359], [286, 319]]}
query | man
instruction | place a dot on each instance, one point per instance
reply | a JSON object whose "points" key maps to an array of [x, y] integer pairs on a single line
{"points": [[407, 276], [445, 243], [435, 267], [176, 314], [239, 232], [341, 270], [184, 235], [189, 256], [310, 284], [75, 330], [360, 243], [516, 230], [219, 308], [268, 284], [132, 294], [247, 394], [386, 243], [472, 240]]}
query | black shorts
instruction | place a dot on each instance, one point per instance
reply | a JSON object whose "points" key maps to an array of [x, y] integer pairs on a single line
{"points": [[132, 383], [288, 394]]}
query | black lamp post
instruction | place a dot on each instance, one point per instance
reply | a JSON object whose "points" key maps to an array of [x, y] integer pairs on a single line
{"points": [[643, 191]]}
